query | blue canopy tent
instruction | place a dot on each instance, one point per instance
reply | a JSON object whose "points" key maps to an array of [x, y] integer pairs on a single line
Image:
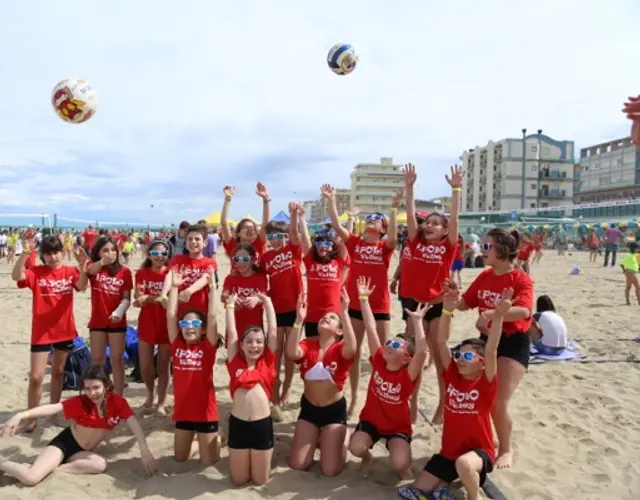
{"points": [[281, 217]]}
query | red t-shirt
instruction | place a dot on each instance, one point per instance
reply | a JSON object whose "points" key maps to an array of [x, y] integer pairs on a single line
{"points": [[332, 360], [370, 260], [263, 373], [467, 414], [387, 404], [32, 260], [152, 321], [193, 391], [84, 412], [106, 294], [524, 252], [285, 276], [487, 289], [324, 282], [230, 247], [405, 262], [90, 236], [52, 318], [244, 287], [192, 270], [430, 266]]}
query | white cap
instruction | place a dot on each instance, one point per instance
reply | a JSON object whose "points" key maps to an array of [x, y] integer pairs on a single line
{"points": [[553, 329]]}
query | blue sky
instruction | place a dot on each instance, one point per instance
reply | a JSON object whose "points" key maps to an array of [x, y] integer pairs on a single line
{"points": [[198, 94]]}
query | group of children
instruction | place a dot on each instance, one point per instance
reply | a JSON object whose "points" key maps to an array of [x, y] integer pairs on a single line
{"points": [[346, 299]]}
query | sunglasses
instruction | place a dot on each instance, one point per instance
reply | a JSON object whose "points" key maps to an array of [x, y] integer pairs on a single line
{"points": [[156, 253], [467, 355], [242, 258], [395, 345], [487, 246], [374, 218], [277, 236], [190, 323], [324, 244]]}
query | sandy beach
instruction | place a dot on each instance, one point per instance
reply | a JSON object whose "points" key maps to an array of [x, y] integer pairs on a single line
{"points": [[576, 424]]}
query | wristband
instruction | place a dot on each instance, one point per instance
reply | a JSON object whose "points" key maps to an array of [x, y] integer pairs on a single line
{"points": [[448, 313], [228, 198], [364, 297], [230, 306], [26, 415], [160, 298], [297, 326], [456, 189]]}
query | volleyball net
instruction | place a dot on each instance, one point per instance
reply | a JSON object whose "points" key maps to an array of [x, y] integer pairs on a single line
{"points": [[9, 220]]}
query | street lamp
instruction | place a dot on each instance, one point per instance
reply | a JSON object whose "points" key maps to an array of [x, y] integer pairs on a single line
{"points": [[524, 167]]}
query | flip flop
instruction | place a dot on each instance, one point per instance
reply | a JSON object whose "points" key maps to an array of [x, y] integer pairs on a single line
{"points": [[410, 493]]}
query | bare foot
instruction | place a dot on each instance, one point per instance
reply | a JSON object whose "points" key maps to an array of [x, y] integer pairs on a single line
{"points": [[406, 474], [438, 416], [161, 411], [504, 461], [148, 403], [365, 465]]}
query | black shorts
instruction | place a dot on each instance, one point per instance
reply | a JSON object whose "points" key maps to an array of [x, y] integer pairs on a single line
{"points": [[320, 416], [514, 346], [286, 319], [254, 435], [66, 346], [409, 304], [354, 314], [199, 427], [445, 469], [434, 312], [121, 329], [67, 444], [368, 428], [311, 330]]}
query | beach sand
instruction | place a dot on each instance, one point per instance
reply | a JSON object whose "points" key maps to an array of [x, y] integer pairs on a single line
{"points": [[576, 425]]}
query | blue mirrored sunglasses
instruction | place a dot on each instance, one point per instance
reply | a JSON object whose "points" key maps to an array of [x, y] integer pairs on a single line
{"points": [[156, 253], [467, 355], [277, 236], [242, 258], [190, 323]]}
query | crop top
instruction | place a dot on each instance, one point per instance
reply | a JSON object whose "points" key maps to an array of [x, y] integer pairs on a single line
{"points": [[264, 373], [331, 367], [84, 412]]}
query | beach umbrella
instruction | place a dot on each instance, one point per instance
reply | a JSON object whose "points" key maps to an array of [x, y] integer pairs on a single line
{"points": [[632, 223], [604, 225], [623, 224], [531, 227]]}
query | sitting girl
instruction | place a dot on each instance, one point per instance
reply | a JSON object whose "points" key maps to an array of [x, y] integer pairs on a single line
{"points": [[194, 344], [251, 364], [94, 412], [548, 330], [324, 364]]}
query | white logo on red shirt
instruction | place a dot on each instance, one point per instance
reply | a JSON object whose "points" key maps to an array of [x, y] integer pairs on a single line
{"points": [[239, 372], [152, 287], [369, 254], [113, 421], [56, 287], [489, 298], [462, 401], [328, 271], [406, 252], [281, 262], [188, 359], [191, 274], [430, 253], [109, 284], [386, 390]]}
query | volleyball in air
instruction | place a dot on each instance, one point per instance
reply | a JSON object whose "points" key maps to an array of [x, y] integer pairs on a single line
{"points": [[342, 59], [74, 100]]}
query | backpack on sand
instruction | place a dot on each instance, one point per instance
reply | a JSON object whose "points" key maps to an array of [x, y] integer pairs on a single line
{"points": [[78, 361]]}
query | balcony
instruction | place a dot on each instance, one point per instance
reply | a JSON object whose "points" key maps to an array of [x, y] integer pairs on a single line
{"points": [[552, 193], [552, 174]]}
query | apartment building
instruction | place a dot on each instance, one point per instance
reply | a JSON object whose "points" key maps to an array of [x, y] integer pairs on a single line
{"points": [[609, 171], [535, 171], [373, 185]]}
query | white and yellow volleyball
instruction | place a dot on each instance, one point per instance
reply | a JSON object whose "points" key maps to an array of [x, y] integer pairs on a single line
{"points": [[342, 59], [74, 100]]}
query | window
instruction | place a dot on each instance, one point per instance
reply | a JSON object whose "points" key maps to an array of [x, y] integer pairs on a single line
{"points": [[534, 168], [534, 186], [534, 149], [533, 205], [546, 151]]}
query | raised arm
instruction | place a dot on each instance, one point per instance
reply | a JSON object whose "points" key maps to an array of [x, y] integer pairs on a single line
{"points": [[416, 365], [227, 235], [292, 348], [271, 334], [95, 267], [172, 304], [305, 239], [350, 346], [364, 292], [495, 332], [81, 258], [212, 310], [455, 181], [410, 178], [294, 232], [18, 273], [444, 331], [329, 194], [392, 227], [230, 323], [263, 192]]}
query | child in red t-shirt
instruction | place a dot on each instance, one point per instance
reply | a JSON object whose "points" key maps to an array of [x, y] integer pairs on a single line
{"points": [[194, 344], [282, 264], [246, 229], [252, 372], [525, 249], [434, 246], [397, 366], [53, 325], [95, 412], [471, 381], [111, 285], [152, 323]]}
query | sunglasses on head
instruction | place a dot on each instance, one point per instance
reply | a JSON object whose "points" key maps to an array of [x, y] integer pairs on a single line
{"points": [[467, 355], [395, 345], [486, 246], [374, 217], [190, 323], [324, 244], [156, 253], [277, 236], [242, 258]]}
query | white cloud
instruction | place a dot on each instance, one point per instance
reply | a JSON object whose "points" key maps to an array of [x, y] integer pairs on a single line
{"points": [[200, 93]]}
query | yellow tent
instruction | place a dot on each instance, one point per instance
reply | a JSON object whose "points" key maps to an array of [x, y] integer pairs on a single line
{"points": [[401, 218], [251, 218], [214, 219], [344, 218]]}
